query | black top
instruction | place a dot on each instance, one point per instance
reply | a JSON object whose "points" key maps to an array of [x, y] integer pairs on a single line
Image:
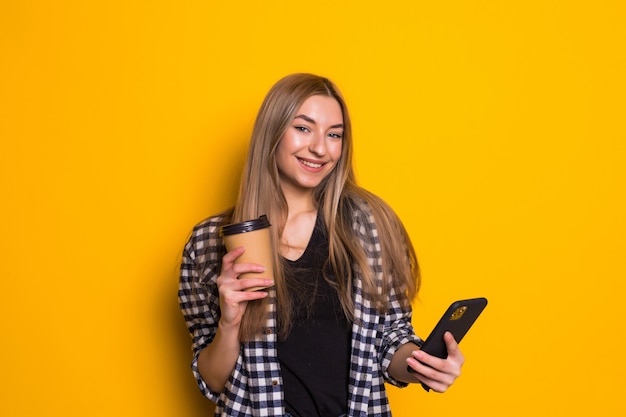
{"points": [[315, 357]]}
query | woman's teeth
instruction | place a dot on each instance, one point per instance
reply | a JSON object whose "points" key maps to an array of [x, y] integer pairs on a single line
{"points": [[311, 164]]}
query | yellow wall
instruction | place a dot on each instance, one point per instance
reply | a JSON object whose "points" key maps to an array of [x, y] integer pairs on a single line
{"points": [[496, 129]]}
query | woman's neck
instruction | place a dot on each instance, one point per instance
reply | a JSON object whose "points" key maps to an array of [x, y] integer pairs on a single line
{"points": [[299, 202]]}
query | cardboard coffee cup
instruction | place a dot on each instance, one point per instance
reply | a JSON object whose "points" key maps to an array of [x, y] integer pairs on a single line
{"points": [[254, 236]]}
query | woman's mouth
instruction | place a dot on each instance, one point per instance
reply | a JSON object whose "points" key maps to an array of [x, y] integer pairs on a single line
{"points": [[311, 164]]}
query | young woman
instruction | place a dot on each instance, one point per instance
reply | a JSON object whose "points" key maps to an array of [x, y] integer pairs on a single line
{"points": [[336, 324]]}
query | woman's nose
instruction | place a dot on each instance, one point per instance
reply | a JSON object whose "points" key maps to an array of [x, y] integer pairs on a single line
{"points": [[318, 144]]}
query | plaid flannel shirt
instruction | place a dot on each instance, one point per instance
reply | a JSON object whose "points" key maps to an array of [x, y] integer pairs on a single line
{"points": [[254, 387]]}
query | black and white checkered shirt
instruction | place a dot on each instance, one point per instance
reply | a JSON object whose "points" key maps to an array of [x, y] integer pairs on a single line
{"points": [[255, 386]]}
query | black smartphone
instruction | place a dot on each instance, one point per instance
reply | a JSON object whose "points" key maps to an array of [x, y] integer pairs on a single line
{"points": [[457, 319]]}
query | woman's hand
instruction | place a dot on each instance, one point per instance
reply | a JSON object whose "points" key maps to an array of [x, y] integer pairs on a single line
{"points": [[233, 297], [440, 373]]}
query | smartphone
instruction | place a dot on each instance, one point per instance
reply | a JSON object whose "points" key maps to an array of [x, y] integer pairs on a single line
{"points": [[457, 319]]}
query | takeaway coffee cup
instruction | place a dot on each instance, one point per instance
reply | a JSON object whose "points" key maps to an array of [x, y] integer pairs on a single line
{"points": [[254, 235]]}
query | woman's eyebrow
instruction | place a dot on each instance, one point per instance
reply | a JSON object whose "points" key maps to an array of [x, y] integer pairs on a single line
{"points": [[305, 118], [308, 119]]}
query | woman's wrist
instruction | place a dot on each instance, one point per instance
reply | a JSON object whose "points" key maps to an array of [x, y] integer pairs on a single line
{"points": [[228, 331]]}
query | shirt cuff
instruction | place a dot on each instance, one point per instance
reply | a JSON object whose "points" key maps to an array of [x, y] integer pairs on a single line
{"points": [[204, 388]]}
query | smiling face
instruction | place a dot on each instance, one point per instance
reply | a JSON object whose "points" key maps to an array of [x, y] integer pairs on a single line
{"points": [[311, 146]]}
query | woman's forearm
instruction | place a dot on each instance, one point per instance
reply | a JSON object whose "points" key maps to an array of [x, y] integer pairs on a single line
{"points": [[398, 367], [217, 360]]}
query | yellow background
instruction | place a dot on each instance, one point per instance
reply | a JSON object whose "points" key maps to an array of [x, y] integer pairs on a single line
{"points": [[494, 128]]}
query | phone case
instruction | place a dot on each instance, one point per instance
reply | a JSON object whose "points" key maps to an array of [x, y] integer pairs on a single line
{"points": [[458, 319]]}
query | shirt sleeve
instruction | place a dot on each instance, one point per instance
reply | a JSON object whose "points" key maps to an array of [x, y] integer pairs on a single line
{"points": [[398, 331], [198, 299], [397, 328]]}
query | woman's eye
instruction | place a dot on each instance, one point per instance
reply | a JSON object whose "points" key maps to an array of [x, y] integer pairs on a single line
{"points": [[335, 135], [301, 129]]}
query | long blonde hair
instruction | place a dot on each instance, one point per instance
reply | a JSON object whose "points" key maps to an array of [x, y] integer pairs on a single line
{"points": [[336, 198]]}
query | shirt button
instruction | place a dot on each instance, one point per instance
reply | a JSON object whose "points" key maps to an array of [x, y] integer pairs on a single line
{"points": [[274, 382], [268, 331]]}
